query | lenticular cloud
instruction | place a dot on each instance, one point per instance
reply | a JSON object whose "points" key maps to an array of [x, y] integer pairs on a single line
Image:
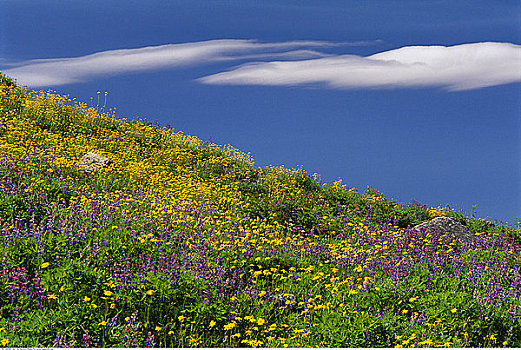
{"points": [[460, 67], [295, 63], [60, 71]]}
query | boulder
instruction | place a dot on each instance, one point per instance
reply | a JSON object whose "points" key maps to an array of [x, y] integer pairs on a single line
{"points": [[288, 300], [93, 161], [445, 225]]}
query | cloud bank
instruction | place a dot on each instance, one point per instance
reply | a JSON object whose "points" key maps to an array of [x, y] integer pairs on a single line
{"points": [[295, 63], [460, 67], [60, 71]]}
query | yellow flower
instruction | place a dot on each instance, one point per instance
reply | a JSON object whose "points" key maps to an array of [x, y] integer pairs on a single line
{"points": [[405, 311], [150, 292], [260, 321], [86, 298], [212, 323], [112, 306], [171, 332], [181, 318], [94, 306], [5, 342], [44, 265], [236, 335], [229, 326], [194, 341], [52, 296], [158, 328], [454, 310], [412, 300], [107, 293], [261, 294], [102, 323]]}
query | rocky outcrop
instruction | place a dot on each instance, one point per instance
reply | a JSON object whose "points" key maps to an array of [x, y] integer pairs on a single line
{"points": [[93, 161], [445, 225]]}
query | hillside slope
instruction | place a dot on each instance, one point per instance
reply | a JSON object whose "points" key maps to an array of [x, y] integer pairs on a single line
{"points": [[175, 242]]}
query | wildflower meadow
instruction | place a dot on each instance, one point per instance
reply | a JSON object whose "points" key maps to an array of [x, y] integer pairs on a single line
{"points": [[178, 242]]}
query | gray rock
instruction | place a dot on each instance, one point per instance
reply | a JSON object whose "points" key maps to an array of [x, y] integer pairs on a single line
{"points": [[92, 161], [288, 300], [445, 225]]}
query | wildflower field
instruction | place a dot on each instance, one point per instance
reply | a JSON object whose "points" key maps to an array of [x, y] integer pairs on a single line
{"points": [[184, 243]]}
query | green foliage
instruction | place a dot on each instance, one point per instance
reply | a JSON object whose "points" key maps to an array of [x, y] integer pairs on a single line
{"points": [[108, 259], [410, 215]]}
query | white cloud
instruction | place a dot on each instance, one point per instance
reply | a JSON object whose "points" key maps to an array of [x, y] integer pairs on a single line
{"points": [[292, 63], [460, 67], [59, 71]]}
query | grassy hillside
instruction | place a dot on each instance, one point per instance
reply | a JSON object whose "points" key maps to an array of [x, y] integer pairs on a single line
{"points": [[184, 243]]}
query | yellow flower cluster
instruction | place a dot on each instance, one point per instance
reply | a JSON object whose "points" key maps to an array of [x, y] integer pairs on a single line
{"points": [[168, 166], [436, 212]]}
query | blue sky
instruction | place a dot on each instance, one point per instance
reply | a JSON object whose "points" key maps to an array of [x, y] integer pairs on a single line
{"points": [[418, 99]]}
